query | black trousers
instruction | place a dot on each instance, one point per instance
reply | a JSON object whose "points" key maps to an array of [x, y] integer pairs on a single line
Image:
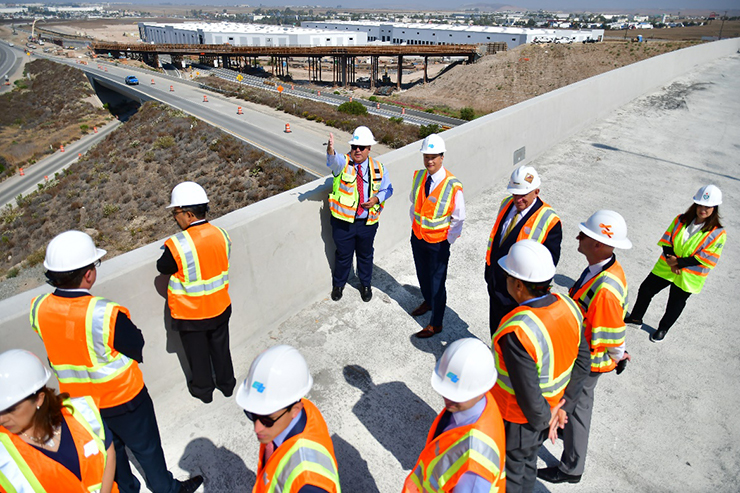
{"points": [[206, 349], [651, 286], [353, 239], [137, 429], [431, 260], [522, 444]]}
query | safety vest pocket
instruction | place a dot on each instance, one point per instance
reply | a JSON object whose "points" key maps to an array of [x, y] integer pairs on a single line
{"points": [[349, 177], [347, 200]]}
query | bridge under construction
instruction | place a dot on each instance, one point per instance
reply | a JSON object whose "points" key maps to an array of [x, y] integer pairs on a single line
{"points": [[344, 58]]}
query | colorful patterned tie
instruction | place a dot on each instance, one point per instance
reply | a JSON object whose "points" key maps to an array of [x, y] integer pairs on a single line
{"points": [[361, 186]]}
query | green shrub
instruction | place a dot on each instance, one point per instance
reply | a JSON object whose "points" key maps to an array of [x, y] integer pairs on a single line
{"points": [[84, 128], [430, 129], [353, 108], [467, 113], [396, 119], [373, 99], [13, 273], [164, 142]]}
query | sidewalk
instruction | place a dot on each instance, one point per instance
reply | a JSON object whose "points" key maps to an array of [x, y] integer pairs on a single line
{"points": [[666, 424]]}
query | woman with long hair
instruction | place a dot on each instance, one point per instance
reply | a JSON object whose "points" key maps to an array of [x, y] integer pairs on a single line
{"points": [[49, 442], [692, 245]]}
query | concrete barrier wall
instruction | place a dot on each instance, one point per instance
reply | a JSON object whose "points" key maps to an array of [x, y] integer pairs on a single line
{"points": [[282, 249]]}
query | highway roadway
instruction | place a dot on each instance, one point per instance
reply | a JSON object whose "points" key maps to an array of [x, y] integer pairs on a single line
{"points": [[303, 148], [9, 57], [34, 174]]}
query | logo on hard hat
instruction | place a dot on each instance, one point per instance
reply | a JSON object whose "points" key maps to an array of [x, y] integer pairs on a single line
{"points": [[606, 229], [431, 146], [529, 178], [259, 386], [356, 137], [706, 195], [452, 377]]}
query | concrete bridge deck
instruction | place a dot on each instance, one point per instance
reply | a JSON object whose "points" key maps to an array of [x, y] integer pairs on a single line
{"points": [[667, 423]]}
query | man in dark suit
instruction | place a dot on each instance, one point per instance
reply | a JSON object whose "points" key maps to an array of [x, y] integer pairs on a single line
{"points": [[522, 215]]}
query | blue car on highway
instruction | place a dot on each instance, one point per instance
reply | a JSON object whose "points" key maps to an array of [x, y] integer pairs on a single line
{"points": [[131, 80]]}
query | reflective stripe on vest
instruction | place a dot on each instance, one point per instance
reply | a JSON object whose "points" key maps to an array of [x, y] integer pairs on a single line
{"points": [[305, 455], [15, 475], [473, 446], [535, 228], [97, 327], [193, 285], [344, 197], [550, 384], [606, 335]]}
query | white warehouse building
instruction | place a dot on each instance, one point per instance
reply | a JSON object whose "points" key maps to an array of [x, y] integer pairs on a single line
{"points": [[440, 34], [245, 35]]}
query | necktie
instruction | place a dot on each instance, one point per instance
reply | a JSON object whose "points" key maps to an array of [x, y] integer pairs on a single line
{"points": [[428, 185], [361, 187], [512, 224], [269, 449], [580, 280]]}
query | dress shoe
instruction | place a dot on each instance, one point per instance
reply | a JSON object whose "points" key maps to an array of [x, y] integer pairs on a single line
{"points": [[428, 331], [555, 475], [336, 293], [658, 335], [629, 319], [366, 292], [421, 309], [190, 485]]}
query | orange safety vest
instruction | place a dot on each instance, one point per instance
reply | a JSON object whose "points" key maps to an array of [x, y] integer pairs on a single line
{"points": [[433, 214], [551, 335], [303, 459], [479, 448], [23, 468], [537, 227], [706, 246], [200, 288], [603, 302], [344, 198], [78, 334]]}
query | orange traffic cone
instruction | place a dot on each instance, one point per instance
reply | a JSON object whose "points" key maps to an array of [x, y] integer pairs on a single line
{"points": [[239, 111], [152, 81], [377, 106], [79, 155], [20, 171], [95, 129], [46, 177], [319, 93], [403, 111], [61, 148], [287, 128], [205, 98], [172, 88], [350, 99], [292, 87]]}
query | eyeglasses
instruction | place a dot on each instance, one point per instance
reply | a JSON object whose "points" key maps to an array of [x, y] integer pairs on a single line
{"points": [[96, 264], [359, 148], [176, 212], [266, 420]]}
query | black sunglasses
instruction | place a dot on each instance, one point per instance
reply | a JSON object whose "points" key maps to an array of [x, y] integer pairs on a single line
{"points": [[361, 148], [267, 421]]}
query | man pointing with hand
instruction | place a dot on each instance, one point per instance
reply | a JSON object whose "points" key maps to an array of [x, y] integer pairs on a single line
{"points": [[361, 187]]}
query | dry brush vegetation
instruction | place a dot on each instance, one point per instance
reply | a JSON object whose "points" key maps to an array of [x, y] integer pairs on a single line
{"points": [[119, 190], [48, 108]]}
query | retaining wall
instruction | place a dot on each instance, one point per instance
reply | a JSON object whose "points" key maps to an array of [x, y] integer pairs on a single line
{"points": [[282, 247]]}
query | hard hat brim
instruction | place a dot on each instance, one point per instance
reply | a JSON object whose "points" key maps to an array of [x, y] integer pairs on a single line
{"points": [[99, 253], [448, 391], [624, 244], [706, 203], [516, 275], [254, 402]]}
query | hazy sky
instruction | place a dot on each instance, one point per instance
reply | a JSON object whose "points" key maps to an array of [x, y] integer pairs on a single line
{"points": [[628, 6]]}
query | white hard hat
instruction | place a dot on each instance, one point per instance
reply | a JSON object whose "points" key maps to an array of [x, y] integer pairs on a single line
{"points": [[528, 261], [188, 193], [523, 180], [465, 370], [433, 144], [71, 250], [21, 374], [607, 227], [362, 137], [277, 378], [709, 196]]}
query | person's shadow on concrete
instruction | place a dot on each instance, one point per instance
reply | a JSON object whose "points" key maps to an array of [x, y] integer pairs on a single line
{"points": [[354, 474], [397, 418], [321, 194], [173, 342], [222, 469], [563, 281]]}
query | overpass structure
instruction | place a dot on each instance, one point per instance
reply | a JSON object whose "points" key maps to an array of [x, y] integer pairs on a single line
{"points": [[666, 424], [344, 58]]}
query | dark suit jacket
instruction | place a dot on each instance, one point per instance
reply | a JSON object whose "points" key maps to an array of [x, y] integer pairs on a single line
{"points": [[494, 274]]}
